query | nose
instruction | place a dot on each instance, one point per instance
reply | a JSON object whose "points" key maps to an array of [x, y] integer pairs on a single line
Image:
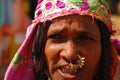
{"points": [[70, 51]]}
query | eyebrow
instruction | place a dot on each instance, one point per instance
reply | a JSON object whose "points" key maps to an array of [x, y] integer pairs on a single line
{"points": [[56, 31], [89, 34], [79, 32], [53, 32], [85, 33]]}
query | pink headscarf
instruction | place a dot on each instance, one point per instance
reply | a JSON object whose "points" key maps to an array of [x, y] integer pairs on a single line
{"points": [[21, 67]]}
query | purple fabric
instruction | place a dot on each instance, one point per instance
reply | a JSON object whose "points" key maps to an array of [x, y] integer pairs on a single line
{"points": [[85, 6], [60, 4], [21, 67], [49, 5], [116, 43]]}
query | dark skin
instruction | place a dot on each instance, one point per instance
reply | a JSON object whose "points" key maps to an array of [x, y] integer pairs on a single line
{"points": [[68, 37], [107, 63]]}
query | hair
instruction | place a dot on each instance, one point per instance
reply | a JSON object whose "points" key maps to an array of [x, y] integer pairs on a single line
{"points": [[107, 63], [38, 51]]}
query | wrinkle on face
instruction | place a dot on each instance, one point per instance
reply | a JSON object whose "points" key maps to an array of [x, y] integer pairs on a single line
{"points": [[68, 36]]}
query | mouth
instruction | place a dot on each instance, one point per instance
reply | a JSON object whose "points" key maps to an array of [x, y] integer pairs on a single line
{"points": [[73, 70], [69, 72]]}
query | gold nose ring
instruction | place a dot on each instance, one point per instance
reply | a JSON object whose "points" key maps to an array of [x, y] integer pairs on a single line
{"points": [[81, 61]]}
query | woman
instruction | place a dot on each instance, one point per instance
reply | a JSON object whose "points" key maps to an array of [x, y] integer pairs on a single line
{"points": [[69, 40]]}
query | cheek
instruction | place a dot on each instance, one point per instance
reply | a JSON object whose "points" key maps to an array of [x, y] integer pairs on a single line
{"points": [[52, 55], [51, 51], [93, 55]]}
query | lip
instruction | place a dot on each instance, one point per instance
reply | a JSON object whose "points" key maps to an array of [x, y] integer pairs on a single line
{"points": [[68, 75]]}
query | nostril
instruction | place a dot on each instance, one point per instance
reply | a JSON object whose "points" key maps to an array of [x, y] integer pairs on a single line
{"points": [[68, 59], [69, 56], [73, 61]]}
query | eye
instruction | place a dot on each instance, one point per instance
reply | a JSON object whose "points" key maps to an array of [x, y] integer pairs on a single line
{"points": [[55, 36], [85, 37]]}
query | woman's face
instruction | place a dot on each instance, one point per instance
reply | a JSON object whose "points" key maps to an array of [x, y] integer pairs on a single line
{"points": [[68, 37]]}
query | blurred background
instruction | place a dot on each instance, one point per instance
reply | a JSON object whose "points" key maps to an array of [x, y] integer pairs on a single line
{"points": [[16, 15]]}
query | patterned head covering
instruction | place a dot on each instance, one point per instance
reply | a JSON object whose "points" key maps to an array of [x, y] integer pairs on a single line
{"points": [[49, 9], [21, 67]]}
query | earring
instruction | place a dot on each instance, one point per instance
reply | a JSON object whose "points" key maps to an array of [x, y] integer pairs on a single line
{"points": [[81, 61]]}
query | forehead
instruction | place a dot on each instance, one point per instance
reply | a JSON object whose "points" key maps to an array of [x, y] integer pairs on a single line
{"points": [[75, 23]]}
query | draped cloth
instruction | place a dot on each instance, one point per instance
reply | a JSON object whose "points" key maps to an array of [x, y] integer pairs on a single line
{"points": [[21, 67]]}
